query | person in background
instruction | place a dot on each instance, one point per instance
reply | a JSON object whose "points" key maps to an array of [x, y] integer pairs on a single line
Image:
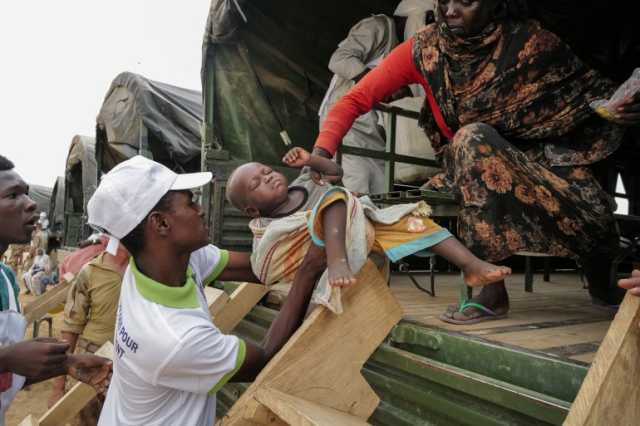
{"points": [[367, 44], [39, 275], [90, 317]]}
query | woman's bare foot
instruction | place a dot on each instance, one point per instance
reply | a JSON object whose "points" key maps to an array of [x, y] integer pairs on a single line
{"points": [[340, 274], [479, 273]]}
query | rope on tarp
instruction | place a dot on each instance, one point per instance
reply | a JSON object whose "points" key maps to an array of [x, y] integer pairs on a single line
{"points": [[244, 17]]}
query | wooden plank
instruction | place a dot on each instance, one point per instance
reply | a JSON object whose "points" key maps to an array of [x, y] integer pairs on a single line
{"points": [[242, 300], [30, 420], [322, 361], [588, 357], [46, 302], [216, 299], [610, 393], [552, 337], [300, 412], [75, 399]]}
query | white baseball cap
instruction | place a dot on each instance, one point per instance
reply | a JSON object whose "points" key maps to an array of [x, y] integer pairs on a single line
{"points": [[128, 193]]}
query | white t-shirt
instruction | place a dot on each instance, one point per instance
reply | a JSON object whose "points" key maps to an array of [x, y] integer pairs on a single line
{"points": [[169, 358]]}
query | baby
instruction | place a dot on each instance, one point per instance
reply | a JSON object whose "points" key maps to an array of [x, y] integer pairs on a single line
{"points": [[264, 194]]}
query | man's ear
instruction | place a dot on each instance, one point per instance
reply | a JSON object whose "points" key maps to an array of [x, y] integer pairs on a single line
{"points": [[160, 223], [252, 212]]}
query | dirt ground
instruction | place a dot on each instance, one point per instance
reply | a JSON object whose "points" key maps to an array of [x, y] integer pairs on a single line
{"points": [[34, 399]]}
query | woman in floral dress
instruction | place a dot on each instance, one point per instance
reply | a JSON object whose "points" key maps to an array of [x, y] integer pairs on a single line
{"points": [[508, 114]]}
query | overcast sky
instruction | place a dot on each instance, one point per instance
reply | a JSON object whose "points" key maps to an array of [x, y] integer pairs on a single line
{"points": [[58, 59]]}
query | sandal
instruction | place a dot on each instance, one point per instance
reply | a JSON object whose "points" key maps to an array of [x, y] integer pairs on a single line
{"points": [[480, 314]]}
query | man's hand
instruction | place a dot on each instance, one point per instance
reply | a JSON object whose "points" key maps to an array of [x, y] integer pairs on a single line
{"points": [[632, 284], [35, 358], [296, 157], [90, 369], [314, 262]]}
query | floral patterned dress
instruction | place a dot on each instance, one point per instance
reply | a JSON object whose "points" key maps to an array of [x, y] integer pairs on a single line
{"points": [[525, 137]]}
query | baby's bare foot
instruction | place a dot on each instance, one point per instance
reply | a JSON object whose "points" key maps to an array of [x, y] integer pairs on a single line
{"points": [[480, 273], [340, 275]]}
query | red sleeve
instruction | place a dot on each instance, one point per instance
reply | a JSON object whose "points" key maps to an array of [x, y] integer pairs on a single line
{"points": [[395, 72]]}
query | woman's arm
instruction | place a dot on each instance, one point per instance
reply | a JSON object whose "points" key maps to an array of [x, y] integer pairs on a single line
{"points": [[395, 72]]}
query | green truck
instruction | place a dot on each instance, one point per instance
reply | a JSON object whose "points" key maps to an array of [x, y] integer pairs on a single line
{"points": [[264, 74]]}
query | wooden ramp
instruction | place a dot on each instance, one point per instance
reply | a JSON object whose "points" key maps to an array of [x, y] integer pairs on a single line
{"points": [[316, 378], [610, 394]]}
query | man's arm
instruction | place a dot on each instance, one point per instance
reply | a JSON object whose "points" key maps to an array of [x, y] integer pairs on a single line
{"points": [[288, 320], [238, 268]]}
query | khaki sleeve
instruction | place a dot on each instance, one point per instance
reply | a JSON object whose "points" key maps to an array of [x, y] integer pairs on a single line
{"points": [[76, 309]]}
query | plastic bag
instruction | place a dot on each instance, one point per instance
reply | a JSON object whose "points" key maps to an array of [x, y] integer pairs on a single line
{"points": [[606, 108]]}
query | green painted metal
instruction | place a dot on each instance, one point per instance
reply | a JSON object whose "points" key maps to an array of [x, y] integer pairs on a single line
{"points": [[440, 404], [390, 166], [426, 376], [476, 386], [540, 373]]}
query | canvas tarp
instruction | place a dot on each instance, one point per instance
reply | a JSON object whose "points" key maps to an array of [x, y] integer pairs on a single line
{"points": [[41, 195], [81, 174], [158, 120], [56, 206]]}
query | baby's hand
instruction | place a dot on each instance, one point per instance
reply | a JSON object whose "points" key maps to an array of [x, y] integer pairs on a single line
{"points": [[296, 157]]}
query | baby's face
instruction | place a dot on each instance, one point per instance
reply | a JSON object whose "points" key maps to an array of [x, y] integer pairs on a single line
{"points": [[264, 188]]}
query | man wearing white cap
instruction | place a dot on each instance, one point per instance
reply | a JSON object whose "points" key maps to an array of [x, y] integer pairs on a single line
{"points": [[367, 44], [169, 358]]}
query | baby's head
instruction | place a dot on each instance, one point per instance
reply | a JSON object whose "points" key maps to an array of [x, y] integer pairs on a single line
{"points": [[256, 189]]}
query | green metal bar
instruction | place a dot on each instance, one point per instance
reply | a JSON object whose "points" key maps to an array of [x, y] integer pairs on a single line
{"points": [[397, 111], [382, 155], [389, 414], [389, 164], [534, 371], [413, 195]]}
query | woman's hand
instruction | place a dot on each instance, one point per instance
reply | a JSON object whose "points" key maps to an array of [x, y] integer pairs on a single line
{"points": [[318, 177], [628, 112], [296, 157]]}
